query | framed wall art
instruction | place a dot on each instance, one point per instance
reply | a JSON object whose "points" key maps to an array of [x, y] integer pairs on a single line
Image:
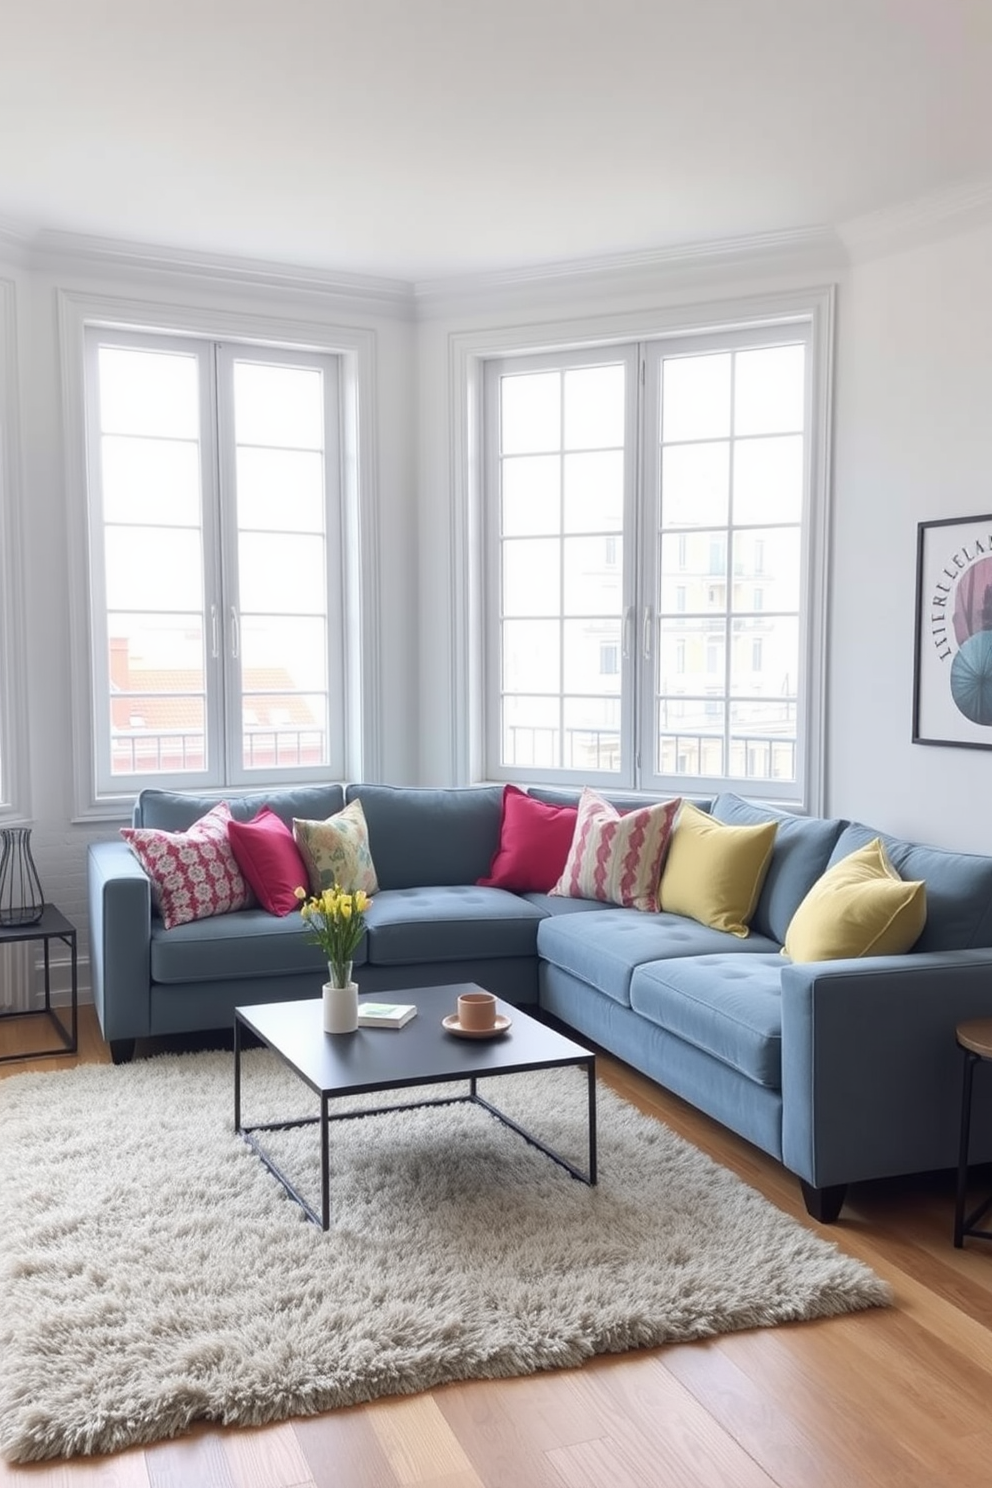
{"points": [[952, 687]]}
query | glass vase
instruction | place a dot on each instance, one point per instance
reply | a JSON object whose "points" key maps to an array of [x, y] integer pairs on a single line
{"points": [[22, 901]]}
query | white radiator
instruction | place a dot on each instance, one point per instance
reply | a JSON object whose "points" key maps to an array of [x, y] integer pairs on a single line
{"points": [[17, 981]]}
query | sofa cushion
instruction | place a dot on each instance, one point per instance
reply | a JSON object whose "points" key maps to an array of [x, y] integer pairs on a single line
{"points": [[449, 923], [250, 944], [715, 872], [860, 907], [175, 811], [617, 858], [269, 859], [605, 949], [534, 841], [800, 854], [423, 837], [958, 887], [336, 851], [194, 875], [728, 1006]]}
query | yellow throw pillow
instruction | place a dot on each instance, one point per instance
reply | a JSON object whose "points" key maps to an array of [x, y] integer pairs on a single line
{"points": [[860, 907], [714, 872]]}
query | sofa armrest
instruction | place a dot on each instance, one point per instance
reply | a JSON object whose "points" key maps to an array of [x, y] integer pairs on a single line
{"points": [[120, 906], [871, 1072]]}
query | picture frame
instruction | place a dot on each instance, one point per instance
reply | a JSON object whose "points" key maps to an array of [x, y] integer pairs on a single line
{"points": [[952, 675]]}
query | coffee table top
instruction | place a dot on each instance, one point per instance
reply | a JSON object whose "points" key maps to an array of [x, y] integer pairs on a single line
{"points": [[395, 1058]]}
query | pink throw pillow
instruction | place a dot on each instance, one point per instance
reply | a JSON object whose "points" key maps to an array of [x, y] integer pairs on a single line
{"points": [[194, 874], [618, 858], [270, 860], [534, 839]]}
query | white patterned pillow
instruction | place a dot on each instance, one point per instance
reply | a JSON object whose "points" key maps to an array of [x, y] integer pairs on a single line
{"points": [[617, 858], [193, 874], [336, 851]]}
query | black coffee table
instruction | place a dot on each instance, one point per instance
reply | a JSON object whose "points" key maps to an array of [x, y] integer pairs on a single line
{"points": [[422, 1053]]}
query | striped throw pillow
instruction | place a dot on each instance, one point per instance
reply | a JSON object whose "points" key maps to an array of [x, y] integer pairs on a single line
{"points": [[617, 858]]}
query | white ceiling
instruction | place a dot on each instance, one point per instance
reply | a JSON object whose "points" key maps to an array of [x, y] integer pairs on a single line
{"points": [[421, 139]]}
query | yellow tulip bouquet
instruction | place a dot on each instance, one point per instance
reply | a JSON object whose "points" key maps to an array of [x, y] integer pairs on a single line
{"points": [[337, 923]]}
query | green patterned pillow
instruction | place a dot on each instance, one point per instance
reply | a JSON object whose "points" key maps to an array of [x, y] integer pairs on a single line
{"points": [[336, 851]]}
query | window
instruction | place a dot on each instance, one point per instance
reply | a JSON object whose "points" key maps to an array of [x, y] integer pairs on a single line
{"points": [[216, 561], [690, 458]]}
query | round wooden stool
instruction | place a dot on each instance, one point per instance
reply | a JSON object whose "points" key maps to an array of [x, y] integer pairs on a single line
{"points": [[975, 1039]]}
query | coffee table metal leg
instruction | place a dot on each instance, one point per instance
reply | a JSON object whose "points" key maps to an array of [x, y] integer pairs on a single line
{"points": [[325, 1177], [591, 1077]]}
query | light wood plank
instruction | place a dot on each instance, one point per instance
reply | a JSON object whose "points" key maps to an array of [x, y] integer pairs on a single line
{"points": [[419, 1444]]}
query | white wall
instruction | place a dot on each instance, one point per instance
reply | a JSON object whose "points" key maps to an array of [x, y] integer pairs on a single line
{"points": [[913, 443], [59, 842]]}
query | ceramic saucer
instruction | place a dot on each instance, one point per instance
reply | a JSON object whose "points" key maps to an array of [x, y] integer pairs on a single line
{"points": [[452, 1025]]}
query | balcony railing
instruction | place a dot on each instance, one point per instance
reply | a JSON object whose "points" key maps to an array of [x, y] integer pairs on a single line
{"points": [[180, 751], [753, 756]]}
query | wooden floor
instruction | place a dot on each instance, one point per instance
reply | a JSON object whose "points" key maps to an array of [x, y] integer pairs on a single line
{"points": [[901, 1396]]}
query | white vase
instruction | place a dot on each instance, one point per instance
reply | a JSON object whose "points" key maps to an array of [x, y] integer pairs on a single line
{"points": [[340, 1008]]}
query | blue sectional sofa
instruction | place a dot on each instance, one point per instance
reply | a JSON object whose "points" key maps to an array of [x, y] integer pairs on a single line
{"points": [[843, 1070]]}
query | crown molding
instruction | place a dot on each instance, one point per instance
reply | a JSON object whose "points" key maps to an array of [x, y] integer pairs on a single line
{"points": [[51, 248], [799, 248], [925, 219]]}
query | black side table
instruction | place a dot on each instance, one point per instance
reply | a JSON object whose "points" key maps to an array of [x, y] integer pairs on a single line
{"points": [[975, 1040], [53, 925]]}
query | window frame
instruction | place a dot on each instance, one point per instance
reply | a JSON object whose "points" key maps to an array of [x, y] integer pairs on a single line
{"points": [[354, 349], [472, 350], [14, 743]]}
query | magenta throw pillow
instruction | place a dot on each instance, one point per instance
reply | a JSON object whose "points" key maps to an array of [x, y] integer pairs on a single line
{"points": [[270, 860], [534, 841]]}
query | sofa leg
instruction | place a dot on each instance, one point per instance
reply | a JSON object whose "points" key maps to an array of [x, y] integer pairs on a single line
{"points": [[823, 1204], [122, 1050]]}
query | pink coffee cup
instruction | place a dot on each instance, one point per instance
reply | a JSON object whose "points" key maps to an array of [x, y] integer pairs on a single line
{"points": [[477, 1011]]}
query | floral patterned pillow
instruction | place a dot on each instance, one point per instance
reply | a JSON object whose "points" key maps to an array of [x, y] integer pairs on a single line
{"points": [[194, 874], [336, 851]]}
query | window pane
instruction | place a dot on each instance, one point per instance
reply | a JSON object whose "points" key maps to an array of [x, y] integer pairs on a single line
{"points": [[150, 480], [693, 572], [284, 654], [767, 569], [594, 492], [772, 643], [695, 484], [280, 490], [530, 413], [691, 658], [279, 405], [768, 479], [763, 741], [592, 734], [531, 583], [282, 573], [592, 577], [691, 737], [531, 656], [584, 643], [148, 393], [696, 397], [283, 731], [769, 390], [594, 408], [531, 735], [156, 670], [531, 495], [154, 568]]}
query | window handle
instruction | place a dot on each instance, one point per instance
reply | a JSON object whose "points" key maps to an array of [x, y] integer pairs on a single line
{"points": [[646, 634], [628, 627], [235, 634], [214, 635]]}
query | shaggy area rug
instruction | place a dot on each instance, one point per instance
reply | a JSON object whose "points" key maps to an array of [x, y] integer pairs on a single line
{"points": [[153, 1273]]}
